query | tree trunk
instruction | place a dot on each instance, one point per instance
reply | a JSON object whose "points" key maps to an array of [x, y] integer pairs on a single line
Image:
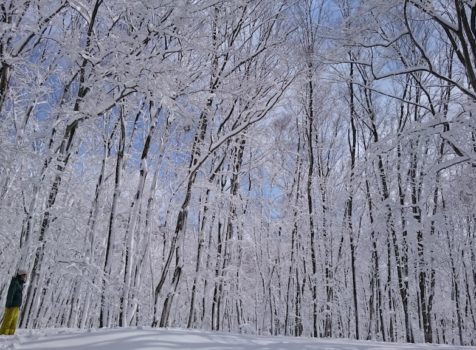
{"points": [[103, 317], [350, 200]]}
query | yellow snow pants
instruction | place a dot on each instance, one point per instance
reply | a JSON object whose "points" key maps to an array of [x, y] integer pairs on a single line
{"points": [[10, 318]]}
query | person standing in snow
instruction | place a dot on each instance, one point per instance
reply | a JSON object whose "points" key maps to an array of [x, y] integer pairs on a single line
{"points": [[12, 306]]}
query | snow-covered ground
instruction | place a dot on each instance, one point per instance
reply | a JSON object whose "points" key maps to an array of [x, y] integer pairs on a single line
{"points": [[174, 339]]}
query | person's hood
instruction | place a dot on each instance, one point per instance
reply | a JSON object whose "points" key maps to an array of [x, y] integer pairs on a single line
{"points": [[18, 277]]}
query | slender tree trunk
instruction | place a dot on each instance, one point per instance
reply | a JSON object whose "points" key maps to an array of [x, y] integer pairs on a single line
{"points": [[200, 242], [350, 201], [456, 292], [103, 317], [295, 190]]}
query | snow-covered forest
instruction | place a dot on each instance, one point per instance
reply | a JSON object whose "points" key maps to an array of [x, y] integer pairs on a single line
{"points": [[271, 167]]}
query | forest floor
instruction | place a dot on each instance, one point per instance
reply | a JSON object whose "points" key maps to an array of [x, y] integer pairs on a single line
{"points": [[175, 339]]}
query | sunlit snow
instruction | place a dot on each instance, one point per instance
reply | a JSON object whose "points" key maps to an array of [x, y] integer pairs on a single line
{"points": [[174, 339]]}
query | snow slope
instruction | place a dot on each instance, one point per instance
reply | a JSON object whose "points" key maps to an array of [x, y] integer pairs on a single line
{"points": [[174, 339]]}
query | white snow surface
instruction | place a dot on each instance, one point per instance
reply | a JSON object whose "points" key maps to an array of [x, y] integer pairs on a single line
{"points": [[175, 339]]}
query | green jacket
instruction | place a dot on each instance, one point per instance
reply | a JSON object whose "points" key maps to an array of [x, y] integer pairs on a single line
{"points": [[15, 291]]}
